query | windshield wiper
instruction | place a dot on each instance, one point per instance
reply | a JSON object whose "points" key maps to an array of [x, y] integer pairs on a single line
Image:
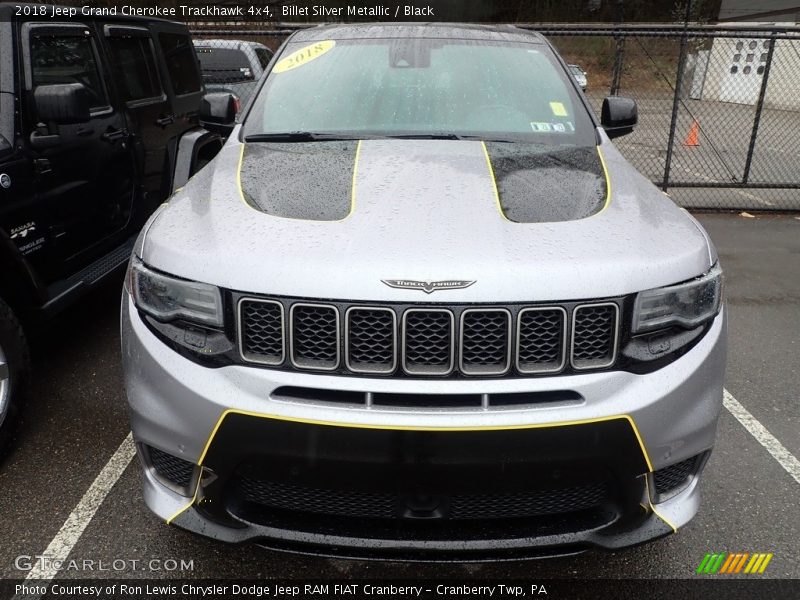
{"points": [[299, 136], [449, 136], [428, 136], [317, 136]]}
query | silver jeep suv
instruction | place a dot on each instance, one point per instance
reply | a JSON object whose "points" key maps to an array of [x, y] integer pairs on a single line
{"points": [[420, 307]]}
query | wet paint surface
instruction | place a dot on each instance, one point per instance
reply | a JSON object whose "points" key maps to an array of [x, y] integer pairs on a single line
{"points": [[539, 185], [311, 181]]}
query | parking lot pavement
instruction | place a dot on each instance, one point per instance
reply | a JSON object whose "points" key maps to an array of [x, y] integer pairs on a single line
{"points": [[76, 420], [761, 258]]}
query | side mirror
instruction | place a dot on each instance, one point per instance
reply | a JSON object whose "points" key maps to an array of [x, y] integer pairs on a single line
{"points": [[618, 116], [218, 108], [62, 103]]}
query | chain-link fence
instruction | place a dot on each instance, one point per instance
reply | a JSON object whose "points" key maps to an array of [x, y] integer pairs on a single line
{"points": [[719, 106]]}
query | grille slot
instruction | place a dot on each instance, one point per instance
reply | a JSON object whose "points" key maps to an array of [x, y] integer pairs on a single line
{"points": [[322, 395], [175, 470], [412, 400], [288, 496], [314, 339], [371, 340], [428, 340], [529, 504], [262, 340], [485, 341], [594, 335], [541, 339], [392, 505]]}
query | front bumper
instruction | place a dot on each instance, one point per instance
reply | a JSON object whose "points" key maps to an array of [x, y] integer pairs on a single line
{"points": [[626, 427]]}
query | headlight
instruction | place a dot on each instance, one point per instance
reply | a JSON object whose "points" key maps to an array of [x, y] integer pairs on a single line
{"points": [[686, 304], [167, 298]]}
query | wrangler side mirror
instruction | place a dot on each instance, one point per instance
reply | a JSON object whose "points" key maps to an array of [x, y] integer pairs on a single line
{"points": [[58, 104], [62, 104]]}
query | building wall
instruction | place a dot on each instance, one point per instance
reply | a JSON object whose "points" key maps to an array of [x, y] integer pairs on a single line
{"points": [[783, 89], [780, 11]]}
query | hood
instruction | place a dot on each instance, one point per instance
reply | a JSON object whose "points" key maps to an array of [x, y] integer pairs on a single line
{"points": [[337, 219], [315, 181]]}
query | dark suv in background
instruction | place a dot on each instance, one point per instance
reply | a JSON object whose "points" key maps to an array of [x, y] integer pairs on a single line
{"points": [[233, 66], [99, 122]]}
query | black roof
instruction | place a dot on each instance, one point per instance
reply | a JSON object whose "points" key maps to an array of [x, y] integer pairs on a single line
{"points": [[464, 31]]}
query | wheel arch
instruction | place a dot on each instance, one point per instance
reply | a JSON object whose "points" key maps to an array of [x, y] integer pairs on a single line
{"points": [[20, 287], [194, 149]]}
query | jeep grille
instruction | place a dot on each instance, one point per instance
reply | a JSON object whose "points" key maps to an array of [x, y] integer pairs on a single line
{"points": [[421, 341]]}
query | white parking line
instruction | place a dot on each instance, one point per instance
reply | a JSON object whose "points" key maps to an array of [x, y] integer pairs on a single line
{"points": [[778, 451], [82, 514]]}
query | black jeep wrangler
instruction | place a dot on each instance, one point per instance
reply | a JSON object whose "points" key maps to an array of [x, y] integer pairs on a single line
{"points": [[99, 122]]}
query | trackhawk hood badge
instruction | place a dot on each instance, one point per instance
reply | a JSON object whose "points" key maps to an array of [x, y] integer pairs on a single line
{"points": [[428, 286]]}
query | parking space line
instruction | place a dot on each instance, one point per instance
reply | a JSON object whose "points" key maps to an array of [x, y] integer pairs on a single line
{"points": [[778, 451], [72, 529]]}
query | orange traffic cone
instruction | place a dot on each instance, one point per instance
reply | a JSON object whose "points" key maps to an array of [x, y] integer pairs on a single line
{"points": [[693, 137]]}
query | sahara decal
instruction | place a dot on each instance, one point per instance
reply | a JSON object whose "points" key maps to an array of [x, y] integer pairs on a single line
{"points": [[23, 236], [22, 231]]}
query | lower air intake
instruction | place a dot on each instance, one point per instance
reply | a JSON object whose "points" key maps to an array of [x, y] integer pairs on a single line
{"points": [[175, 470], [390, 505], [674, 476]]}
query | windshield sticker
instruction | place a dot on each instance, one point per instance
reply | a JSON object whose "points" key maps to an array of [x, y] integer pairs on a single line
{"points": [[303, 56], [557, 127], [558, 109]]}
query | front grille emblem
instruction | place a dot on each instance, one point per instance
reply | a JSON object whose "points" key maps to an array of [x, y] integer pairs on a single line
{"points": [[428, 286]]}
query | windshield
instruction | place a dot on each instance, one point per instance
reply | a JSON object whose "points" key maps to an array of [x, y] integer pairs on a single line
{"points": [[411, 86]]}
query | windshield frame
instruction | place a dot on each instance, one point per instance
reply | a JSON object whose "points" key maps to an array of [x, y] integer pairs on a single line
{"points": [[579, 100]]}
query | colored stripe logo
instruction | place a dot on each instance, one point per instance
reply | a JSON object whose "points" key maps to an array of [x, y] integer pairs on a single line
{"points": [[734, 563]]}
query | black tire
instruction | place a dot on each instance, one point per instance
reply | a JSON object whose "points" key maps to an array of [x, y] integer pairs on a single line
{"points": [[14, 377]]}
